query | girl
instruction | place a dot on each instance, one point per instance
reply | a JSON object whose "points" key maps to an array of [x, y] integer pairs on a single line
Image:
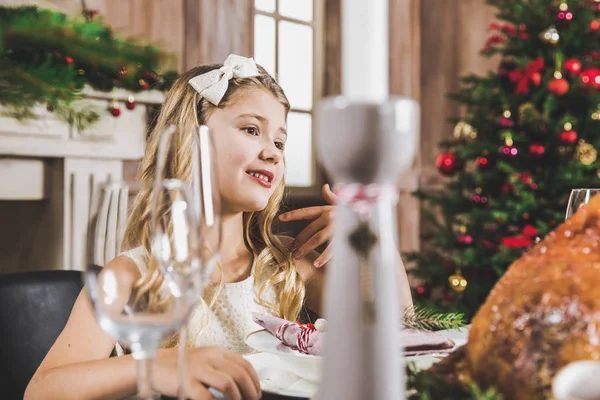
{"points": [[246, 110]]}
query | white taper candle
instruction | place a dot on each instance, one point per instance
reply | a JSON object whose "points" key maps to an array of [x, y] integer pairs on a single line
{"points": [[365, 50]]}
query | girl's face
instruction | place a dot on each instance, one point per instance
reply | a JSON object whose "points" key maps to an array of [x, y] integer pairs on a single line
{"points": [[249, 137]]}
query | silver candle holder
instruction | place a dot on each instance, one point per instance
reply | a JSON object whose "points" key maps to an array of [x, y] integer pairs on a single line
{"points": [[365, 147]]}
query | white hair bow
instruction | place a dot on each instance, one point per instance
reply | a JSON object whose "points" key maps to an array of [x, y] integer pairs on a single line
{"points": [[213, 84]]}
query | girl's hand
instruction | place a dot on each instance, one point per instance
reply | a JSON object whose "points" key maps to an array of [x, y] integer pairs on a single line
{"points": [[208, 367], [317, 232]]}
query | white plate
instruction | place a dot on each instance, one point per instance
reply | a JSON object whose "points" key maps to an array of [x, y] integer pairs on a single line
{"points": [[287, 372], [275, 378], [305, 366]]}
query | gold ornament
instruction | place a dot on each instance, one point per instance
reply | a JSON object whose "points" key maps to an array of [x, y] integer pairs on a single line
{"points": [[586, 153], [596, 114], [457, 282], [528, 112], [462, 130], [550, 35]]}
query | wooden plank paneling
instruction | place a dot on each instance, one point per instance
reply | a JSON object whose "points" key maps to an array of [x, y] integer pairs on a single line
{"points": [[452, 34], [216, 28], [332, 82]]}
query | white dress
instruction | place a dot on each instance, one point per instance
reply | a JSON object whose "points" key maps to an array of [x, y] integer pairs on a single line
{"points": [[230, 318]]}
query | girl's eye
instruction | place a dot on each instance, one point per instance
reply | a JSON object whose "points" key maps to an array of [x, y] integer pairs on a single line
{"points": [[251, 130], [280, 145]]}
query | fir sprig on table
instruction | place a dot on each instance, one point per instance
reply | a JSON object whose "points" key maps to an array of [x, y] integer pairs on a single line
{"points": [[422, 318]]}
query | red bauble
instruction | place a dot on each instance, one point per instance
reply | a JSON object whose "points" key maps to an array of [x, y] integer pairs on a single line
{"points": [[448, 164], [130, 103], [567, 137], [558, 86], [537, 149], [484, 163], [115, 111], [69, 60], [465, 240], [591, 77], [573, 66], [421, 290], [509, 151], [595, 25]]}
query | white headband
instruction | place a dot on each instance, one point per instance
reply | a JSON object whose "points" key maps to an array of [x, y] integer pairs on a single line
{"points": [[213, 84]]}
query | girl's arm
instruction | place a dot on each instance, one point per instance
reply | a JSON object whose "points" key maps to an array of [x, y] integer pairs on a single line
{"points": [[78, 364]]}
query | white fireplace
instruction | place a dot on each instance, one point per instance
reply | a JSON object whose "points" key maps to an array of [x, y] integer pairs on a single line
{"points": [[48, 170]]}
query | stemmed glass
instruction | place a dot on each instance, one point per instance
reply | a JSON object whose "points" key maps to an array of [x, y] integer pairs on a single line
{"points": [[120, 304], [578, 198], [187, 276]]}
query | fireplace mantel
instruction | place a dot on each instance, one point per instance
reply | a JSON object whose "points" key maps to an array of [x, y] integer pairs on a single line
{"points": [[48, 172]]}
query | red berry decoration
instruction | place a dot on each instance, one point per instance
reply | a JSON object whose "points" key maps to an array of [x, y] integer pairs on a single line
{"points": [[558, 86], [421, 290], [130, 104], [537, 149], [484, 163], [448, 164], [573, 66], [114, 109], [567, 137], [143, 84], [69, 60]]}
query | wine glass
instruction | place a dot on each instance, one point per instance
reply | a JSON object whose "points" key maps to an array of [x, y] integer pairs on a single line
{"points": [[578, 198], [121, 305], [187, 277]]}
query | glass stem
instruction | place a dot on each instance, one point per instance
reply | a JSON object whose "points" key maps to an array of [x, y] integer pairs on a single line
{"points": [[145, 379], [182, 362]]}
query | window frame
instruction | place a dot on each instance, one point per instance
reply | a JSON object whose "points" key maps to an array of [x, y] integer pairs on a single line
{"points": [[317, 25]]}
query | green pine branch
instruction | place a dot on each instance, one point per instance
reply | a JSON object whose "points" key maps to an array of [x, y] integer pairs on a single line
{"points": [[48, 58], [426, 319]]}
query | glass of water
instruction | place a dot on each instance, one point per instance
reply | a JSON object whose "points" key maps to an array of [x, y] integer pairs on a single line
{"points": [[120, 298], [578, 198]]}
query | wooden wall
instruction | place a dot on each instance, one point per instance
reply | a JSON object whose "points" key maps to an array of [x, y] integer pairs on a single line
{"points": [[452, 34], [432, 43]]}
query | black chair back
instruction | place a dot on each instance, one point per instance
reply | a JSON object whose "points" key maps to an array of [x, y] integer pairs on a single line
{"points": [[34, 308]]}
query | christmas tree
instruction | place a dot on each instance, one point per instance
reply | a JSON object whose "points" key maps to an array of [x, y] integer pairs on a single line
{"points": [[528, 135], [48, 58]]}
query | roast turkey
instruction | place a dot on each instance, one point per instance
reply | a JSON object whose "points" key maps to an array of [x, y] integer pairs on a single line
{"points": [[543, 314]]}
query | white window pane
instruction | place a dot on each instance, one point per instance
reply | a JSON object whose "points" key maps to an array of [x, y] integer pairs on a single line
{"points": [[296, 63], [265, 5], [298, 9], [298, 150], [264, 42]]}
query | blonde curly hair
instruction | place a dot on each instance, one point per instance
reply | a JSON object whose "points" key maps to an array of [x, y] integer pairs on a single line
{"points": [[274, 265]]}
